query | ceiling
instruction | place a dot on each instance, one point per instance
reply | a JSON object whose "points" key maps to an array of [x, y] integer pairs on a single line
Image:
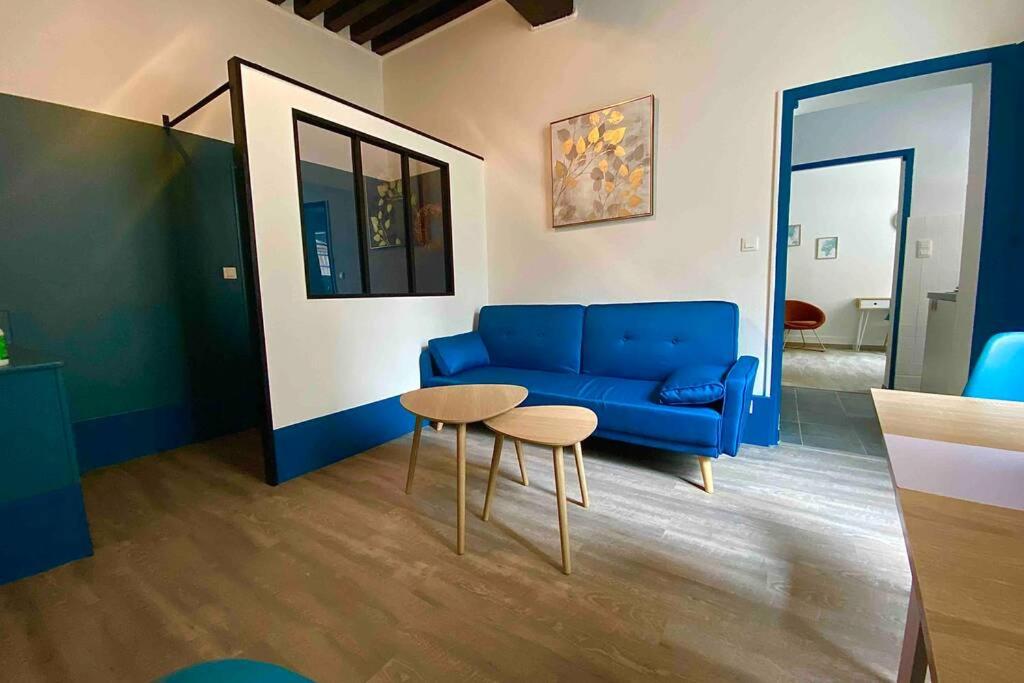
{"points": [[389, 24]]}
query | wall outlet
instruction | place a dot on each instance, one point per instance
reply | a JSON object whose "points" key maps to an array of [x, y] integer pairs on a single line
{"points": [[230, 273], [924, 249], [750, 244]]}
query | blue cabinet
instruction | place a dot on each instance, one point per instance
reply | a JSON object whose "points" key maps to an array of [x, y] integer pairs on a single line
{"points": [[42, 515]]}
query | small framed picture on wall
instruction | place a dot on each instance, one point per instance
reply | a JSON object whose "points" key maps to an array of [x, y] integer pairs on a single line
{"points": [[793, 239], [826, 248]]}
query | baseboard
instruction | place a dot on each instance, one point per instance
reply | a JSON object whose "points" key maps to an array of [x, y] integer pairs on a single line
{"points": [[812, 346], [310, 445], [42, 532], [109, 440], [762, 426]]}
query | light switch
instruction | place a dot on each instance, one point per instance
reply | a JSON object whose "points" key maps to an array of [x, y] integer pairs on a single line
{"points": [[750, 244], [924, 249], [230, 273]]}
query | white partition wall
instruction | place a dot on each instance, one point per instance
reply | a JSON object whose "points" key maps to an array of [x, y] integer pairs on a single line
{"points": [[335, 367]]}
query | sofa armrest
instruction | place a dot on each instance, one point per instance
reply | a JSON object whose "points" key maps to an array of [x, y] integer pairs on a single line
{"points": [[739, 387], [427, 369]]}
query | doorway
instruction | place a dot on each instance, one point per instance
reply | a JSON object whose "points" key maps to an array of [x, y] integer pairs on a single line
{"points": [[846, 244], [989, 202]]}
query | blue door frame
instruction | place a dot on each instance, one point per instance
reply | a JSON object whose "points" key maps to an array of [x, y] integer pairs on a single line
{"points": [[906, 194], [995, 308]]}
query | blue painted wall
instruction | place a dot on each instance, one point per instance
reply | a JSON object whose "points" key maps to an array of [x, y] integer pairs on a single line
{"points": [[999, 306], [114, 235], [310, 445]]}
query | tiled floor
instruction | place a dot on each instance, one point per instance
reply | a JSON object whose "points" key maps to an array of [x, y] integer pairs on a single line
{"points": [[836, 369], [836, 420]]}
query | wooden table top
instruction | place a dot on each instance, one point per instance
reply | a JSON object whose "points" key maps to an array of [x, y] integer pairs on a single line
{"points": [[958, 470], [463, 403], [546, 425]]}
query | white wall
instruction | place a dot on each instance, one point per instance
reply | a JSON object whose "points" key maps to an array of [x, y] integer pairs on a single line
{"points": [[328, 355], [855, 202], [937, 125], [142, 58], [716, 68]]}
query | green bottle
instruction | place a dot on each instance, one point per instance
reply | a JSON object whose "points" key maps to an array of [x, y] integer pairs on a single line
{"points": [[3, 349]]}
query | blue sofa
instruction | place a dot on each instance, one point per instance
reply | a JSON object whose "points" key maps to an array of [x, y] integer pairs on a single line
{"points": [[613, 359]]}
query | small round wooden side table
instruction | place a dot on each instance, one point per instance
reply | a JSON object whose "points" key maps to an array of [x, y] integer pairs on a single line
{"points": [[458, 405], [554, 426]]}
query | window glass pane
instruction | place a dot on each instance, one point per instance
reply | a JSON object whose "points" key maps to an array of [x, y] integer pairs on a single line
{"points": [[329, 217], [428, 227], [385, 220]]}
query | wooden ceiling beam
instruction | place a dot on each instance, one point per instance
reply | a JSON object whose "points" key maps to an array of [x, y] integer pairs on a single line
{"points": [[346, 12], [539, 12], [388, 17], [311, 9], [437, 16]]}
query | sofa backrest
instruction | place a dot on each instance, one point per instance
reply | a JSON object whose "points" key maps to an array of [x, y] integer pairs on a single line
{"points": [[533, 337], [650, 340]]}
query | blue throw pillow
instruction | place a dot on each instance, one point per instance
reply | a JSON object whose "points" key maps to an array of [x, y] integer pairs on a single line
{"points": [[460, 352], [693, 385]]}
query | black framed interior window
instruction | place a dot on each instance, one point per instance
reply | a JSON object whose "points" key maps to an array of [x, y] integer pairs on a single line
{"points": [[376, 217]]}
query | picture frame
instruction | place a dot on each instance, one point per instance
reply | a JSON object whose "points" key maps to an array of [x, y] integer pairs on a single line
{"points": [[794, 234], [602, 164], [826, 248]]}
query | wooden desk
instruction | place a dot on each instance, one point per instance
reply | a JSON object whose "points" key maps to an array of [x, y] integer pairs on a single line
{"points": [[957, 466]]}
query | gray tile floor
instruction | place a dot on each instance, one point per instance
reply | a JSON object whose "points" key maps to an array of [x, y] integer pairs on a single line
{"points": [[836, 420]]}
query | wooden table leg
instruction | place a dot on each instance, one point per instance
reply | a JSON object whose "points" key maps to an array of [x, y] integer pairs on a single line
{"points": [[563, 515], [499, 441], [578, 449], [522, 462], [460, 456], [414, 453], [914, 657]]}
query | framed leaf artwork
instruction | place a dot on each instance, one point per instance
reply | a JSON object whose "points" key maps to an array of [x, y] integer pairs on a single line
{"points": [[602, 164], [386, 218]]}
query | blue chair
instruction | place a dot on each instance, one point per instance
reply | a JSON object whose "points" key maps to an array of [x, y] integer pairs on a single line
{"points": [[999, 372], [234, 671]]}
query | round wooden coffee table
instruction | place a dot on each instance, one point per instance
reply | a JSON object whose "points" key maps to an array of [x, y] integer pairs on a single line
{"points": [[459, 405], [554, 426]]}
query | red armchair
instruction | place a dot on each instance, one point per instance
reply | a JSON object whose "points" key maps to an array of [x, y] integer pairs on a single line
{"points": [[802, 316]]}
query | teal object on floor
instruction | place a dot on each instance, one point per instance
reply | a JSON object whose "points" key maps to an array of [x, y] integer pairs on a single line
{"points": [[999, 372], [234, 671]]}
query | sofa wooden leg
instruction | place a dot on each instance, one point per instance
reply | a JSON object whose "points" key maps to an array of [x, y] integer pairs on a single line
{"points": [[705, 472]]}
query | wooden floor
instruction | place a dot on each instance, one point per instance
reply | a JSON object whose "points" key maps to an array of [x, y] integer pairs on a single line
{"points": [[793, 570]]}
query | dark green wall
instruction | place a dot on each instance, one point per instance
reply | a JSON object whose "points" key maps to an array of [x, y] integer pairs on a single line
{"points": [[112, 238]]}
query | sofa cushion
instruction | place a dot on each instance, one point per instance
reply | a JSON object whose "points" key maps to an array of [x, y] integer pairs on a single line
{"points": [[459, 352], [693, 385], [649, 341], [533, 337], [622, 405]]}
